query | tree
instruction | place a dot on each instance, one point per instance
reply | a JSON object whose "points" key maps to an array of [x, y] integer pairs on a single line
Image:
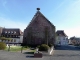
{"points": [[4, 38], [46, 35], [2, 45]]}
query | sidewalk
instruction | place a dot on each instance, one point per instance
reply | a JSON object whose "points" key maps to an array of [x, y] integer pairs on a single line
{"points": [[28, 53], [44, 53]]}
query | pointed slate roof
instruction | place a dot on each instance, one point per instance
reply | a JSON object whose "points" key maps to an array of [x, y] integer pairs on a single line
{"points": [[60, 32], [17, 30], [39, 13], [75, 38]]}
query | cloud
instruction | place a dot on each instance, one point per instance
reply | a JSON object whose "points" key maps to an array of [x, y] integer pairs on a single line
{"points": [[7, 23]]}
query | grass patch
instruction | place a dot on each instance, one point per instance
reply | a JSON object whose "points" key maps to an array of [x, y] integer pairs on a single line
{"points": [[32, 50], [18, 48], [15, 48]]}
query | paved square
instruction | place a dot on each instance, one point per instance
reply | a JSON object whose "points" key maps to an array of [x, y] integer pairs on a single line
{"points": [[61, 53]]}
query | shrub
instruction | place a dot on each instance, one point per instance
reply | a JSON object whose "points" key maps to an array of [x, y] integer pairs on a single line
{"points": [[38, 46], [50, 45], [43, 47], [2, 45], [26, 46]]}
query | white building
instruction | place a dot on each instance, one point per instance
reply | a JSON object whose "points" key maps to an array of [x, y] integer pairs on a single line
{"points": [[61, 38], [15, 34]]}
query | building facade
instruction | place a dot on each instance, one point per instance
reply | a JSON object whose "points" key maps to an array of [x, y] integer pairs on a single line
{"points": [[74, 41], [61, 38], [14, 34], [39, 31]]}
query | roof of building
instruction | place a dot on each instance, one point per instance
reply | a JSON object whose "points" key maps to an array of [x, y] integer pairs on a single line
{"points": [[15, 31], [39, 13], [74, 38], [60, 32], [22, 33]]}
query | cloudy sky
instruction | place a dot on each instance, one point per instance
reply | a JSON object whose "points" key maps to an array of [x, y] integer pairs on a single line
{"points": [[64, 14]]}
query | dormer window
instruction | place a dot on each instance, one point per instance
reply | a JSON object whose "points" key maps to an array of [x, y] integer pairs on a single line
{"points": [[8, 31], [14, 32], [5, 31]]}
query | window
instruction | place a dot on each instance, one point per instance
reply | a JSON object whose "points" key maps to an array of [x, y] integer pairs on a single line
{"points": [[7, 35], [8, 31], [14, 40], [58, 38], [16, 36], [5, 31], [11, 40], [63, 38], [12, 32]]}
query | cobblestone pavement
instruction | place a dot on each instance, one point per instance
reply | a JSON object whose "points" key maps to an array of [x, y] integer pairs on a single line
{"points": [[60, 53]]}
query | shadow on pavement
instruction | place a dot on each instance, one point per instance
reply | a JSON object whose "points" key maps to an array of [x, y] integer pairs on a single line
{"points": [[28, 53], [67, 48], [29, 56], [32, 57]]}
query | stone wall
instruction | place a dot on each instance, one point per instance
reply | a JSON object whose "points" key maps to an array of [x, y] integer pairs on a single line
{"points": [[36, 30]]}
